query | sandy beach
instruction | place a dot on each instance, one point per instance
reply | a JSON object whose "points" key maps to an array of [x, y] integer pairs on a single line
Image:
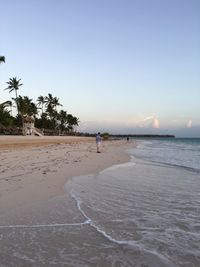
{"points": [[35, 169], [63, 204], [34, 205]]}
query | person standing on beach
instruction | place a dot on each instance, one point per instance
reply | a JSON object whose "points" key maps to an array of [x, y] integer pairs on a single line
{"points": [[98, 142]]}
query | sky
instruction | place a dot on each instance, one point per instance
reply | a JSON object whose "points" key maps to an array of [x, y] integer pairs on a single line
{"points": [[120, 66]]}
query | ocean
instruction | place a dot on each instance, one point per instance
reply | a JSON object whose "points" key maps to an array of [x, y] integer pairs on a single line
{"points": [[143, 213], [180, 152]]}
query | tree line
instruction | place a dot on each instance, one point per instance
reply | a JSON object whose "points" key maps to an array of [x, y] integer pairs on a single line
{"points": [[44, 112]]}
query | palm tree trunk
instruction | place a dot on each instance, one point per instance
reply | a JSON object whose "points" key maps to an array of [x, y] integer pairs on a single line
{"points": [[17, 102]]}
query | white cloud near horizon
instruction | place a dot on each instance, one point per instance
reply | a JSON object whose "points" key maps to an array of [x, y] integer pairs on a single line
{"points": [[156, 123], [189, 124], [149, 122]]}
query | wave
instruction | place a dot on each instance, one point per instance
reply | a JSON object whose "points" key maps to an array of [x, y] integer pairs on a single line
{"points": [[175, 154], [191, 169], [131, 243], [43, 225]]}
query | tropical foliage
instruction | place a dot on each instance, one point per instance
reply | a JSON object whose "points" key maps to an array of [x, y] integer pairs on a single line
{"points": [[5, 118], [44, 111], [2, 59], [13, 85]]}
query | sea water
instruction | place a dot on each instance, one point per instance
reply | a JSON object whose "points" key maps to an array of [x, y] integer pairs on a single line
{"points": [[149, 208], [145, 212], [180, 152]]}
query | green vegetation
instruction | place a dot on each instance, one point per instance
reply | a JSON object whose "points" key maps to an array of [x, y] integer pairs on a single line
{"points": [[105, 136], [13, 85], [44, 112], [2, 59], [5, 118]]}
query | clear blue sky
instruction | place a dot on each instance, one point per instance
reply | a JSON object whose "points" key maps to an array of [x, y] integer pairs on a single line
{"points": [[128, 66]]}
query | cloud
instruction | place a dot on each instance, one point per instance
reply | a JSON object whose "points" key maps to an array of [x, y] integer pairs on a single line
{"points": [[155, 123], [189, 124], [148, 118], [150, 122]]}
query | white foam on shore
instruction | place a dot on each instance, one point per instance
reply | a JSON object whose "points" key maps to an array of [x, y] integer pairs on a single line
{"points": [[139, 247], [43, 225], [119, 166]]}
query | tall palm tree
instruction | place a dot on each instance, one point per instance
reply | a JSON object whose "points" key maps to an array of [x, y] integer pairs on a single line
{"points": [[51, 104], [41, 102], [2, 59], [13, 85]]}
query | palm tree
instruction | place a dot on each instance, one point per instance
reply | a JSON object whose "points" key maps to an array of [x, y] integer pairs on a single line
{"points": [[13, 85], [5, 104], [2, 59], [51, 104], [26, 106], [26, 109], [52, 101], [41, 102], [72, 121], [62, 117], [5, 117]]}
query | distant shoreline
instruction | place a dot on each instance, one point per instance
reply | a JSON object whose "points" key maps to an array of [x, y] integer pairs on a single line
{"points": [[145, 135]]}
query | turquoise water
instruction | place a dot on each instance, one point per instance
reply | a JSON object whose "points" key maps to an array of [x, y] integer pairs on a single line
{"points": [[182, 152]]}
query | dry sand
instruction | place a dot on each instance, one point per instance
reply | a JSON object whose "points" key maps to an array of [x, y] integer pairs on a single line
{"points": [[35, 169]]}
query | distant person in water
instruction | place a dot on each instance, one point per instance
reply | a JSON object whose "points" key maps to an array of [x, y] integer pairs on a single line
{"points": [[127, 139], [98, 142]]}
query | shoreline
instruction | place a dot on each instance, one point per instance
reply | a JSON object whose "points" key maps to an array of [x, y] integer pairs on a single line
{"points": [[59, 206], [41, 168]]}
